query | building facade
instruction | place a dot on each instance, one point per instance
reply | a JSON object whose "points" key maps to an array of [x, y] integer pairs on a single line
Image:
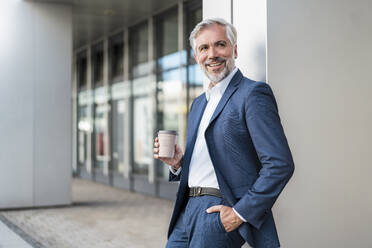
{"points": [[128, 84]]}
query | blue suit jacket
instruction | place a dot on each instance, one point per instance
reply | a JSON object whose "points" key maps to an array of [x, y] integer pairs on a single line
{"points": [[249, 152]]}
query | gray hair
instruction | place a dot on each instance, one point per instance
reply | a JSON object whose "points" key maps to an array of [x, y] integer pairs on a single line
{"points": [[229, 28]]}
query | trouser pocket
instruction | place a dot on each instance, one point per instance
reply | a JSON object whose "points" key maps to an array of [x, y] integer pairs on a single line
{"points": [[219, 223]]}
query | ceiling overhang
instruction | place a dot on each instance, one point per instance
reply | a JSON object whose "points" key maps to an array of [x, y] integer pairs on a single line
{"points": [[93, 19]]}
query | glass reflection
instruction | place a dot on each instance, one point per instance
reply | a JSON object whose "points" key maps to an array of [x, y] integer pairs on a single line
{"points": [[83, 127], [116, 58], [139, 50], [172, 106], [194, 73], [83, 124], [120, 93], [164, 94], [195, 78], [171, 81], [142, 131], [143, 90], [101, 110]]}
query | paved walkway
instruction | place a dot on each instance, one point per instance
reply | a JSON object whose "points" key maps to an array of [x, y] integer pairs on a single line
{"points": [[101, 216]]}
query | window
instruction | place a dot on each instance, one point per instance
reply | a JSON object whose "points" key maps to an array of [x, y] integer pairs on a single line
{"points": [[82, 109], [116, 57], [142, 95], [193, 13], [81, 69], [97, 62], [139, 50], [100, 110], [171, 79], [120, 96]]}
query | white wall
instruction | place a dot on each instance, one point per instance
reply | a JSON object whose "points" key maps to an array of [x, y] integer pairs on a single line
{"points": [[35, 104], [319, 65], [217, 8], [249, 18], [318, 61]]}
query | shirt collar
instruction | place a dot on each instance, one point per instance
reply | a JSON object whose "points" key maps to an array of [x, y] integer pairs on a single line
{"points": [[220, 86]]}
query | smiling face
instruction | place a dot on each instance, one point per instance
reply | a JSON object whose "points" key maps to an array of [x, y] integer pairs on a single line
{"points": [[214, 52]]}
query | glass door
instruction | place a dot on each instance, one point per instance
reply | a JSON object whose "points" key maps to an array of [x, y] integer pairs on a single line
{"points": [[101, 109], [119, 125], [83, 118]]}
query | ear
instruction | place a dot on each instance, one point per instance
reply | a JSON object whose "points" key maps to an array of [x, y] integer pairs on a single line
{"points": [[236, 51], [196, 57]]}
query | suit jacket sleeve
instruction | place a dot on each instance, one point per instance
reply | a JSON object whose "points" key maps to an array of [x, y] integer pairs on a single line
{"points": [[173, 177], [263, 122]]}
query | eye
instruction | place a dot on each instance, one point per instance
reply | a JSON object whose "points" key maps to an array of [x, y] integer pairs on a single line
{"points": [[221, 44], [203, 48]]}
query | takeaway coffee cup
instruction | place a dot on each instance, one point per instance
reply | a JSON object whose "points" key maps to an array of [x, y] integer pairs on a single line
{"points": [[167, 142]]}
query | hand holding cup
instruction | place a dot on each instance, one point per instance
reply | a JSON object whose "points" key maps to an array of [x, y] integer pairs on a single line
{"points": [[167, 151]]}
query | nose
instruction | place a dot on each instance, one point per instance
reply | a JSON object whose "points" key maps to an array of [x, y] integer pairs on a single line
{"points": [[212, 52]]}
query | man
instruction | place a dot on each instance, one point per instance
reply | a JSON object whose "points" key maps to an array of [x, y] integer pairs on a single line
{"points": [[237, 160]]}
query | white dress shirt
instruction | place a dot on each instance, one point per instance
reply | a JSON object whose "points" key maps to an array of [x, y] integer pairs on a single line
{"points": [[201, 172]]}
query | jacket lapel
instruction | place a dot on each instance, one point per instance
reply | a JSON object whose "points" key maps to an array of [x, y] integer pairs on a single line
{"points": [[196, 116], [233, 85]]}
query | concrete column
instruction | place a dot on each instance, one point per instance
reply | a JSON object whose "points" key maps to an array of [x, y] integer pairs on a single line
{"points": [[127, 127], [106, 86], [90, 98], [35, 98], [17, 70], [152, 79], [74, 114]]}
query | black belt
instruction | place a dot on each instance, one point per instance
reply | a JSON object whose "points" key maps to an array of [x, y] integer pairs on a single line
{"points": [[200, 191]]}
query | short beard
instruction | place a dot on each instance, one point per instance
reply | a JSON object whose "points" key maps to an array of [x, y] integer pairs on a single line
{"points": [[230, 64]]}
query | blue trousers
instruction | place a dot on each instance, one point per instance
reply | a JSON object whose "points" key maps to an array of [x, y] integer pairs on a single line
{"points": [[195, 228]]}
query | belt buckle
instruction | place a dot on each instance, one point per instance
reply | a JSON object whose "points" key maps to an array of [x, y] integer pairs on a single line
{"points": [[199, 191]]}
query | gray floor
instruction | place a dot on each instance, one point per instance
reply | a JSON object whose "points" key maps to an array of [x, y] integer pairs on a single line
{"points": [[100, 216]]}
